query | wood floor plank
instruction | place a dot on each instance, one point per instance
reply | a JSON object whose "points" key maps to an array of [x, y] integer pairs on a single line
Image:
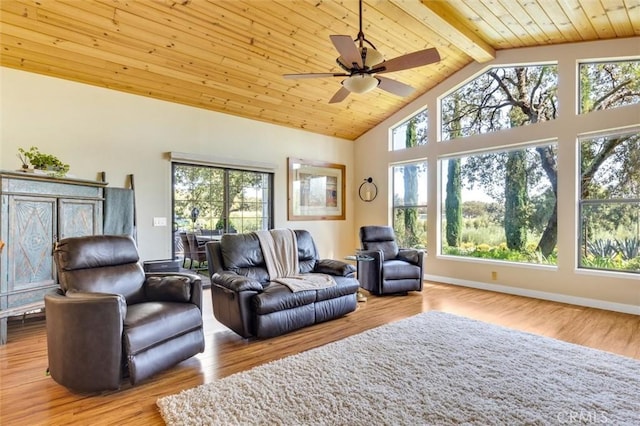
{"points": [[28, 396]]}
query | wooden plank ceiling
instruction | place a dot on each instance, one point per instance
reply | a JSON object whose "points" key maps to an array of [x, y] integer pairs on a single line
{"points": [[229, 55]]}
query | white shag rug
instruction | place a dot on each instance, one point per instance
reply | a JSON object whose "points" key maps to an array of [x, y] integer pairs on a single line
{"points": [[430, 369]]}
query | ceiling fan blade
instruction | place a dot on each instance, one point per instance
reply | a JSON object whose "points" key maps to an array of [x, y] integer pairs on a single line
{"points": [[410, 60], [345, 45], [395, 87], [340, 95], [314, 75]]}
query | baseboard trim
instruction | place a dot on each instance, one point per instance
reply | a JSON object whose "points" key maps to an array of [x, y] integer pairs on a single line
{"points": [[554, 297]]}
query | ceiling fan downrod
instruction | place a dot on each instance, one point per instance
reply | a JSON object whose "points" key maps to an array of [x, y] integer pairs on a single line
{"points": [[361, 39]]}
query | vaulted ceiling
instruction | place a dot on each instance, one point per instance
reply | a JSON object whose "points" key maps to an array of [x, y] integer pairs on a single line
{"points": [[229, 55]]}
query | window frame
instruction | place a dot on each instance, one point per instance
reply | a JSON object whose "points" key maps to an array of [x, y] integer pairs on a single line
{"points": [[441, 133], [582, 202], [441, 200], [418, 206], [582, 63]]}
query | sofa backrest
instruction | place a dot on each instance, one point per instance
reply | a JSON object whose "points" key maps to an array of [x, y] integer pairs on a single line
{"points": [[100, 264], [241, 253]]}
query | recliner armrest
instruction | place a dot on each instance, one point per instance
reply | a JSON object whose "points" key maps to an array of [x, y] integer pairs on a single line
{"points": [[413, 256], [378, 256], [112, 306], [85, 326], [235, 282], [334, 267]]}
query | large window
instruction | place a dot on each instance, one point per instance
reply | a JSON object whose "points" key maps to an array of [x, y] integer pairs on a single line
{"points": [[500, 99], [501, 205], [213, 200], [410, 204], [610, 202], [499, 197]]}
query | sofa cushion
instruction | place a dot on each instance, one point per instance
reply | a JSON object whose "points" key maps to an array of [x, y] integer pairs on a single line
{"points": [[399, 269], [277, 297], [344, 286], [150, 323]]}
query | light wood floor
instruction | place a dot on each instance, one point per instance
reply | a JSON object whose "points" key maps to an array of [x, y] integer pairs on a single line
{"points": [[29, 397]]}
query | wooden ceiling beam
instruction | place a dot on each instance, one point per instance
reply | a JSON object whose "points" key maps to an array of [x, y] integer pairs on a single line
{"points": [[434, 16]]}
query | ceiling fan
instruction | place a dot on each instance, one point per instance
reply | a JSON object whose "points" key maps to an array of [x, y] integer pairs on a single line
{"points": [[363, 63]]}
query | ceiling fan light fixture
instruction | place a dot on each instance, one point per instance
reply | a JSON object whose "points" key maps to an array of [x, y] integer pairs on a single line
{"points": [[360, 83]]}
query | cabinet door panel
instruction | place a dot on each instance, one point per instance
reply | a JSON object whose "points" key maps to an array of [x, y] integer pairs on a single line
{"points": [[32, 232], [79, 217]]}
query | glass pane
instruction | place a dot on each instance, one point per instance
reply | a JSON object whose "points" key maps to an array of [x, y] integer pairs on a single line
{"points": [[508, 214], [610, 166], [410, 226], [410, 184], [610, 202], [412, 132], [499, 99], [410, 204], [247, 191], [607, 85], [610, 236], [212, 200]]}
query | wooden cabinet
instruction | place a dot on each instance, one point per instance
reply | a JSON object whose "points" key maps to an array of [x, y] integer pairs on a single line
{"points": [[35, 212]]}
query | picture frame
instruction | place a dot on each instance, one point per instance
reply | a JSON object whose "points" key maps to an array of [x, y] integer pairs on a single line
{"points": [[315, 190]]}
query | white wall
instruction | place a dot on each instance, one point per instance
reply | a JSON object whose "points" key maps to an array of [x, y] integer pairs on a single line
{"points": [[614, 291], [94, 129]]}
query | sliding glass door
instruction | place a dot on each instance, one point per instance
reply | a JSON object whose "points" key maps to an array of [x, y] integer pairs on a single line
{"points": [[210, 201]]}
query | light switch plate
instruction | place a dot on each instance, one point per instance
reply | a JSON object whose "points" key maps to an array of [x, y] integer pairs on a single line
{"points": [[159, 221]]}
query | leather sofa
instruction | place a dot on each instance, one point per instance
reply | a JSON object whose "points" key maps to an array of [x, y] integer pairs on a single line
{"points": [[246, 301], [109, 319]]}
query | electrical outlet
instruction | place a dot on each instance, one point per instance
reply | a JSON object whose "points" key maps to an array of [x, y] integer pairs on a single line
{"points": [[494, 275], [159, 221]]}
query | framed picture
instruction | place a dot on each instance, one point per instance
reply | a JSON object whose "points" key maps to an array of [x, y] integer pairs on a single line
{"points": [[316, 190]]}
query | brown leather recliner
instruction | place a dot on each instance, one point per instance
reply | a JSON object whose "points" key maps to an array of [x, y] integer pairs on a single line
{"points": [[392, 269], [109, 319]]}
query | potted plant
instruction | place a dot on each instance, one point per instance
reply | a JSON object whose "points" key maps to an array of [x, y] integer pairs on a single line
{"points": [[42, 161]]}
